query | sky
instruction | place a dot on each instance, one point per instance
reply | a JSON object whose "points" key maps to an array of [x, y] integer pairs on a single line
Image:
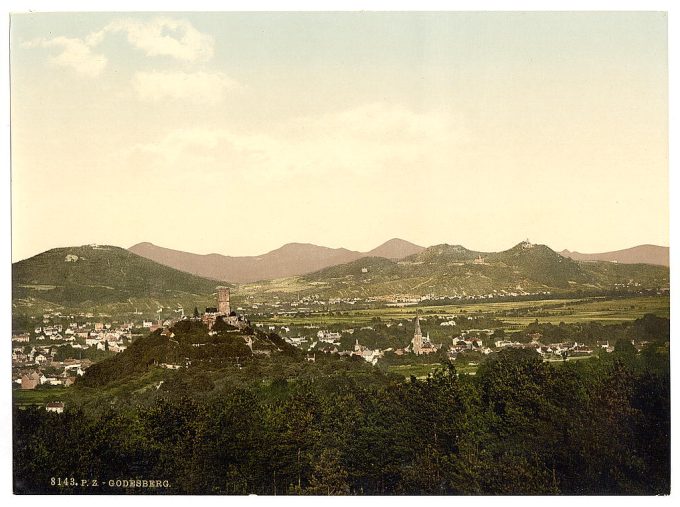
{"points": [[236, 133]]}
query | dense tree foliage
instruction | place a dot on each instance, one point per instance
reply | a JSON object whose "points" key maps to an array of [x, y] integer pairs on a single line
{"points": [[339, 426], [649, 327]]}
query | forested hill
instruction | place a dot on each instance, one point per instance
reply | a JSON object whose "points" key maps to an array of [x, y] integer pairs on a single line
{"points": [[520, 426], [454, 270], [99, 274], [187, 343]]}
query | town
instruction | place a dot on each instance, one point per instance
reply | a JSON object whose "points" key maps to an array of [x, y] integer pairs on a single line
{"points": [[60, 347], [466, 343]]}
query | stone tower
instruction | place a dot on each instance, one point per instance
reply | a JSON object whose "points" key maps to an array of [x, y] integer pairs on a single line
{"points": [[417, 341], [223, 300]]}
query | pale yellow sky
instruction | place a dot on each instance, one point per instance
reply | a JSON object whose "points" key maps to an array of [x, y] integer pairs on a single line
{"points": [[237, 133]]}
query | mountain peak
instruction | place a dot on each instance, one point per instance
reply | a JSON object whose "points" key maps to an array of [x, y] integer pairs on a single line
{"points": [[295, 246], [291, 259], [142, 243], [395, 248], [396, 241], [526, 245]]}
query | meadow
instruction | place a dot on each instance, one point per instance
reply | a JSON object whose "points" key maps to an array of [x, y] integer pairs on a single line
{"points": [[553, 311], [26, 397]]}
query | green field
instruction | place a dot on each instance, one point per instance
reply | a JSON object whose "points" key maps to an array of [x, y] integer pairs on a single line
{"points": [[553, 311], [607, 311], [398, 313], [24, 397]]}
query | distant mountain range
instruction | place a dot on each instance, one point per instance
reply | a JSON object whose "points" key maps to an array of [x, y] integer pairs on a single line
{"points": [[109, 279], [289, 260], [296, 259], [642, 254], [455, 270]]}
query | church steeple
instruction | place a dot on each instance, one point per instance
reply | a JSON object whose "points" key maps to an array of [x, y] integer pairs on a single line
{"points": [[417, 341]]}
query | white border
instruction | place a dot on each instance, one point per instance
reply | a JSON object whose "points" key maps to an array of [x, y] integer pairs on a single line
{"points": [[332, 5]]}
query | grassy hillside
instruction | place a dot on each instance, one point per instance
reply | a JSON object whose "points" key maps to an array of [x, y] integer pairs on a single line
{"points": [[541, 264], [80, 277], [454, 270]]}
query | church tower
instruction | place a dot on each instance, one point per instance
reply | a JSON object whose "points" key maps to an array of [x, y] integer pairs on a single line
{"points": [[223, 300], [417, 341]]}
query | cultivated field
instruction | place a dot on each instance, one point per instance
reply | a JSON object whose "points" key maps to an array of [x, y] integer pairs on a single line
{"points": [[513, 313]]}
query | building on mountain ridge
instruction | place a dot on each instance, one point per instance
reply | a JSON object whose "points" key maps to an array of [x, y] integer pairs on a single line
{"points": [[223, 300], [222, 310]]}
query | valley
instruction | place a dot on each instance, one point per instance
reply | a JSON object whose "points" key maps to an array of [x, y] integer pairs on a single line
{"points": [[98, 330]]}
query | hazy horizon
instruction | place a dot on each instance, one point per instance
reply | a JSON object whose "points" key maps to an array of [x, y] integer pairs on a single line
{"points": [[236, 133], [380, 243]]}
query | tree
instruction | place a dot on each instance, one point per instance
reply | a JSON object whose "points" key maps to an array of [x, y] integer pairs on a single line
{"points": [[329, 476], [498, 334], [624, 349]]}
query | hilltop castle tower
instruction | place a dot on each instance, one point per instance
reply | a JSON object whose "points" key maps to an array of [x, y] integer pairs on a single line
{"points": [[223, 300], [417, 341]]}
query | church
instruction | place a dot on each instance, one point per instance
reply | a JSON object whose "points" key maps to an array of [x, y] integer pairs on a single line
{"points": [[420, 345]]}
